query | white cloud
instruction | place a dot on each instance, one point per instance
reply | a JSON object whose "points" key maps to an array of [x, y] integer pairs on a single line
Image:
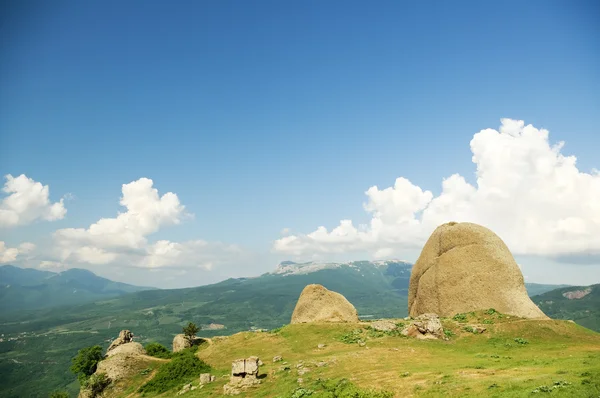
{"points": [[27, 201], [527, 191], [11, 254], [123, 240]]}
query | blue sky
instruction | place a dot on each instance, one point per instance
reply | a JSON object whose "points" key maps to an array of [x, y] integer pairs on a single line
{"points": [[267, 115]]}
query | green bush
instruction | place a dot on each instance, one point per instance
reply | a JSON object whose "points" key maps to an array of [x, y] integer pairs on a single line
{"points": [[449, 333], [59, 394], [158, 350], [460, 317], [521, 341], [352, 337], [183, 368], [97, 383], [86, 362]]}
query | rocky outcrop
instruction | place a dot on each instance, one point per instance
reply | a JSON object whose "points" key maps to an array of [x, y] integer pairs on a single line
{"points": [[244, 374], [465, 267], [130, 349], [181, 342], [125, 336], [206, 378], [577, 294], [426, 326], [317, 304]]}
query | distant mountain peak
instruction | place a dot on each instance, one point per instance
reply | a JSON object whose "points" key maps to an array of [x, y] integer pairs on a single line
{"points": [[293, 268]]}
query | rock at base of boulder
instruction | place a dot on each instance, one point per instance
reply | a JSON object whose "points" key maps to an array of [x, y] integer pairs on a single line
{"points": [[383, 325], [187, 388], [426, 326]]}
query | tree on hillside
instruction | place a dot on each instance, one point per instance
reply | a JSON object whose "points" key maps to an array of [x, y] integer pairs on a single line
{"points": [[86, 362], [190, 331]]}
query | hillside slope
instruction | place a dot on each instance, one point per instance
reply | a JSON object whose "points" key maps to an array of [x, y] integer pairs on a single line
{"points": [[512, 358], [578, 303], [27, 288]]}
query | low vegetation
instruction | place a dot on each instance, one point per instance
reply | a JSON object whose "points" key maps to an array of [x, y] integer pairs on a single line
{"points": [[85, 363], [158, 350], [184, 367]]}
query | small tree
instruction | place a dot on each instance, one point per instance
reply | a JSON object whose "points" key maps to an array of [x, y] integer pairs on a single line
{"points": [[85, 363], [190, 331]]}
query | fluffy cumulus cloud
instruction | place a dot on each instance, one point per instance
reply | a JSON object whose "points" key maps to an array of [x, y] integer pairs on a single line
{"points": [[11, 254], [27, 201], [527, 191], [123, 240]]}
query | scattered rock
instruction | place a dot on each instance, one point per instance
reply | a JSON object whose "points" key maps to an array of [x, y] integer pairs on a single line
{"points": [[317, 304], [361, 343], [383, 325], [465, 267], [244, 374], [321, 346], [125, 336], [302, 371], [186, 388], [277, 358], [475, 329], [300, 380], [206, 378]]}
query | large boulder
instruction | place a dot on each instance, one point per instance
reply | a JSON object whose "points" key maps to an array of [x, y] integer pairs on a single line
{"points": [[317, 304], [465, 267], [130, 349]]}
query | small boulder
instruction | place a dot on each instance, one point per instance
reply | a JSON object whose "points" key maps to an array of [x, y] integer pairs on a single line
{"points": [[244, 374], [321, 346], [317, 304], [181, 342], [277, 358], [383, 325], [206, 378], [130, 349]]}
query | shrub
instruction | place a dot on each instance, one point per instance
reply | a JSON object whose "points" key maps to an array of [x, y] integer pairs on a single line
{"points": [[59, 394], [86, 362], [97, 383], [158, 350], [488, 321], [449, 333], [521, 341], [352, 337], [460, 317], [183, 367], [491, 311], [469, 329]]}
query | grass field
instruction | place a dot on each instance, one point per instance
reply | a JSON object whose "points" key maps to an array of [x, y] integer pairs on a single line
{"points": [[512, 358]]}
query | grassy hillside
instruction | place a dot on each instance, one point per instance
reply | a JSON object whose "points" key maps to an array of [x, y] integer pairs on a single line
{"points": [[45, 340], [24, 289], [513, 358], [585, 310]]}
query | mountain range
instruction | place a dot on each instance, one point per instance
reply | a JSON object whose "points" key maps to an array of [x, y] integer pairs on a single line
{"points": [[30, 289]]}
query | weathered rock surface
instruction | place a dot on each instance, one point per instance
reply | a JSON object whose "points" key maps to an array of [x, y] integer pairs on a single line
{"points": [[317, 304], [132, 348], [465, 267], [383, 325], [244, 374], [206, 378], [125, 336]]}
